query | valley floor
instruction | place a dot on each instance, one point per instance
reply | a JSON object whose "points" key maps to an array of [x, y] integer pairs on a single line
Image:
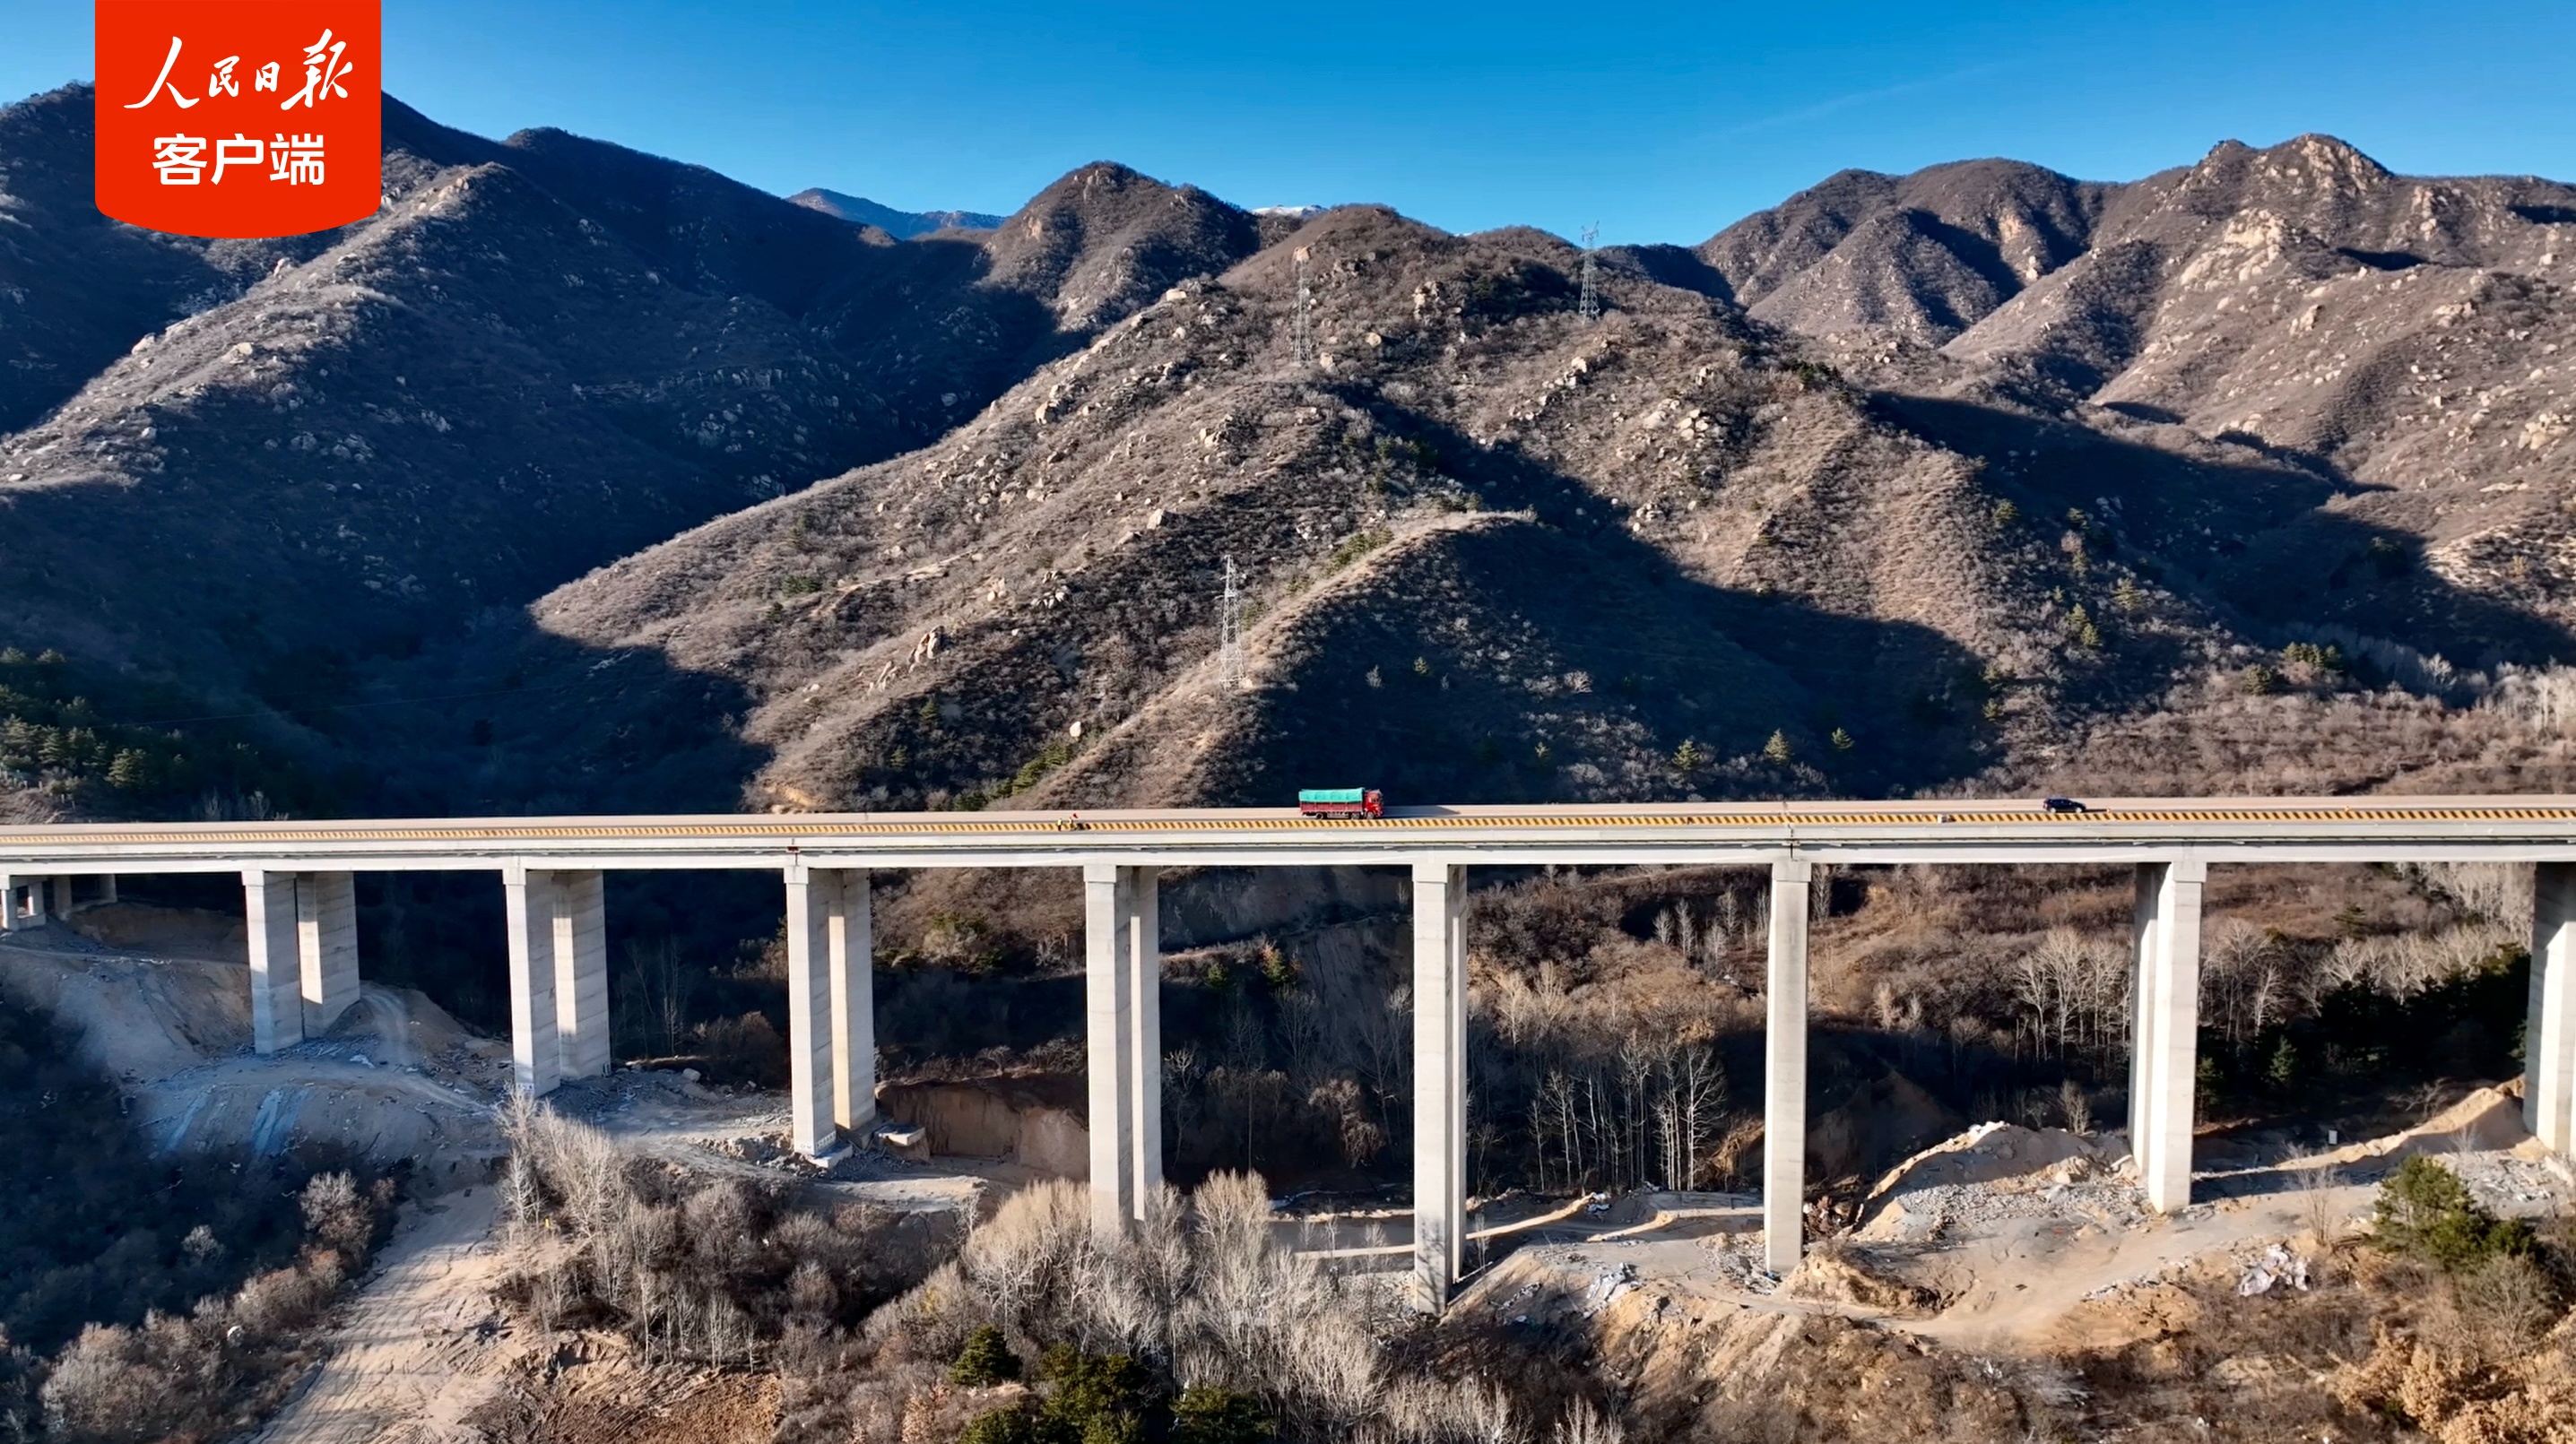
{"points": [[2003, 1242]]}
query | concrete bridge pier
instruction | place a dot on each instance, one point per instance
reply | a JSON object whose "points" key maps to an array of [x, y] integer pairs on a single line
{"points": [[1784, 1071], [2549, 1035], [850, 929], [1439, 1080], [1123, 1018], [22, 903], [276, 969], [326, 947], [558, 940], [2164, 1049], [578, 937], [302, 934], [831, 1020]]}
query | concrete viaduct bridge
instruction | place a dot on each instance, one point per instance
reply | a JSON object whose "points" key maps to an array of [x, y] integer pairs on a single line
{"points": [[296, 880]]}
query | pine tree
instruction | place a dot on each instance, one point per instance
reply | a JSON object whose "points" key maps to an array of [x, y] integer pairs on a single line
{"points": [[985, 1360], [2282, 1072], [127, 772], [1211, 1414], [2081, 628], [1777, 751]]}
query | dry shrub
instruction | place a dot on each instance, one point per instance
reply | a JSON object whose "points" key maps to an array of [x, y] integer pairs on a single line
{"points": [[2416, 1381], [2482, 1356], [2527, 1417], [1730, 1160], [336, 1215], [690, 1266], [119, 1384], [874, 1402], [942, 1411], [17, 1389], [1584, 1423], [1451, 1411], [279, 1302], [930, 1323], [745, 1049], [1201, 1293], [2508, 1303], [2457, 1397], [184, 1376], [1776, 1377]]}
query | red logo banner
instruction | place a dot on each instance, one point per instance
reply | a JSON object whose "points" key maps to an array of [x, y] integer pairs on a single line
{"points": [[240, 117]]}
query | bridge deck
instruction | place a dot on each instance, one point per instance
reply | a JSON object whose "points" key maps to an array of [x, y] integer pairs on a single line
{"points": [[2151, 829]]}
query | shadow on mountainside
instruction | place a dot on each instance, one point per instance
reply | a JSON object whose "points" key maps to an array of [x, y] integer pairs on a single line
{"points": [[518, 721], [939, 340], [1564, 658], [2253, 538], [1459, 676]]}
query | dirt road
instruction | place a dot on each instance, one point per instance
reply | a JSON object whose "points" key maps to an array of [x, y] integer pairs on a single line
{"points": [[422, 1345]]}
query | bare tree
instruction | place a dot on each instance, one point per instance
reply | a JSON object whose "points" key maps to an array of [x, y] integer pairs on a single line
{"points": [[2076, 1105], [657, 992], [2316, 1180], [1584, 1423]]}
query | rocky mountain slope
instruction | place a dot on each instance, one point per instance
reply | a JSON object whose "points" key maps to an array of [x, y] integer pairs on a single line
{"points": [[1492, 551], [2402, 342], [1952, 480], [248, 466]]}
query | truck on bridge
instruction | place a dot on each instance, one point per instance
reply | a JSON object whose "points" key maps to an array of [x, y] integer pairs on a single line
{"points": [[1341, 802]]}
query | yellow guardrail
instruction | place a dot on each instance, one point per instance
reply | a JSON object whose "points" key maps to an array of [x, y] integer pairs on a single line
{"points": [[789, 830]]}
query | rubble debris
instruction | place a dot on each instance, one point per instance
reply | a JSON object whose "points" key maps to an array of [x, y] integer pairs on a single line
{"points": [[2277, 1266]]}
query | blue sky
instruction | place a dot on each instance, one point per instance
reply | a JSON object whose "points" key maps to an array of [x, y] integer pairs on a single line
{"points": [[1658, 122]]}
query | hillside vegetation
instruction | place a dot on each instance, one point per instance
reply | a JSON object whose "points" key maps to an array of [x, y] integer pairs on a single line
{"points": [[1494, 551]]}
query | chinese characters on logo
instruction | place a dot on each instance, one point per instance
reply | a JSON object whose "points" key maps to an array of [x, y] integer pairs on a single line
{"points": [[323, 72], [296, 160], [180, 159]]}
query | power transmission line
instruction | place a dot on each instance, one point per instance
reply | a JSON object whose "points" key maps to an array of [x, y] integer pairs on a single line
{"points": [[1305, 325], [1590, 306], [1229, 656]]}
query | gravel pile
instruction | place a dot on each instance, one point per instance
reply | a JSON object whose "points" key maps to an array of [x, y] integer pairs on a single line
{"points": [[1926, 1213], [2511, 1185]]}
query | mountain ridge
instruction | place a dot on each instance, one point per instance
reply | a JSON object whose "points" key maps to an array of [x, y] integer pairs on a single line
{"points": [[1911, 483], [902, 225], [543, 353]]}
